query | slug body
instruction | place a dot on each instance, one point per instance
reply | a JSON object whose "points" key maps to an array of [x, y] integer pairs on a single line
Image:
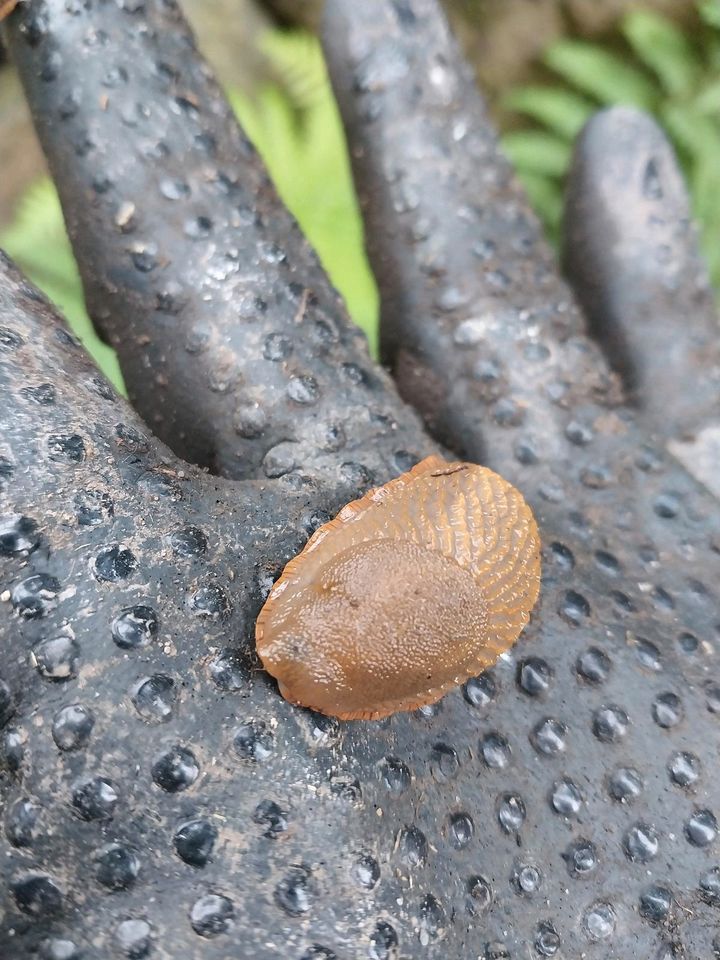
{"points": [[409, 591], [7, 7]]}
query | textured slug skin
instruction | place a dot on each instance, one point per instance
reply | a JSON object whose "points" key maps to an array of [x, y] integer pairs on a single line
{"points": [[409, 591]]}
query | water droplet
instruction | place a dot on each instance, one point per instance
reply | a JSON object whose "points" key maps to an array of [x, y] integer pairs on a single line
{"points": [[212, 915], [154, 698], [610, 723], [366, 871], [667, 710], [581, 858], [37, 895], [480, 895], [688, 643], [599, 921], [93, 507], [294, 893], [667, 506], [253, 741], [444, 762], [210, 601], [548, 736], [640, 843], [56, 948], [176, 770], [35, 596], [18, 534], [135, 627], [194, 841], [272, 817], [383, 941], [547, 940], [562, 556], [412, 846], [495, 751], [566, 798], [526, 879], [480, 691], [9, 339], [56, 658], [593, 665], [198, 228], [227, 671], [277, 347], [701, 829], [625, 784], [66, 449], [117, 867], [574, 608], [21, 822], [511, 812], [655, 903], [433, 920], [684, 768], [709, 886], [134, 938], [113, 564], [95, 799], [648, 655], [578, 433], [534, 676], [318, 952], [462, 830], [303, 390]]}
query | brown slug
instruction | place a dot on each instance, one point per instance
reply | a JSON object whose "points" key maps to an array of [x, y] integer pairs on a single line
{"points": [[409, 591], [7, 7]]}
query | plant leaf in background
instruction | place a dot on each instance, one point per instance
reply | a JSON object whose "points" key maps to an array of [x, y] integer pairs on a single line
{"points": [[38, 243], [664, 49], [709, 11], [562, 111], [546, 199], [600, 74], [297, 129], [673, 74], [299, 133], [543, 158]]}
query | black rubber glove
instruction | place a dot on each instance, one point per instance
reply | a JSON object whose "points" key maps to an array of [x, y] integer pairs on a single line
{"points": [[158, 796]]}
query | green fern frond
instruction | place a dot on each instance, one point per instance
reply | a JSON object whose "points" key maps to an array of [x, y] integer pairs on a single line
{"points": [[536, 151], [310, 167], [707, 100], [709, 11], [561, 111], [603, 75], [664, 49], [545, 196]]}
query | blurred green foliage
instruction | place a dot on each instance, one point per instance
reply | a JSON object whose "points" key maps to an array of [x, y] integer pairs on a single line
{"points": [[38, 243], [651, 64], [299, 133]]}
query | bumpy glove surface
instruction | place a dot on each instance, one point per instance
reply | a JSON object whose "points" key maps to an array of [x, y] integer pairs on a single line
{"points": [[158, 798]]}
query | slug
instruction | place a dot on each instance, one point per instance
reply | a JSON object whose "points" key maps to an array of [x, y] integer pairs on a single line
{"points": [[408, 592], [7, 7]]}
